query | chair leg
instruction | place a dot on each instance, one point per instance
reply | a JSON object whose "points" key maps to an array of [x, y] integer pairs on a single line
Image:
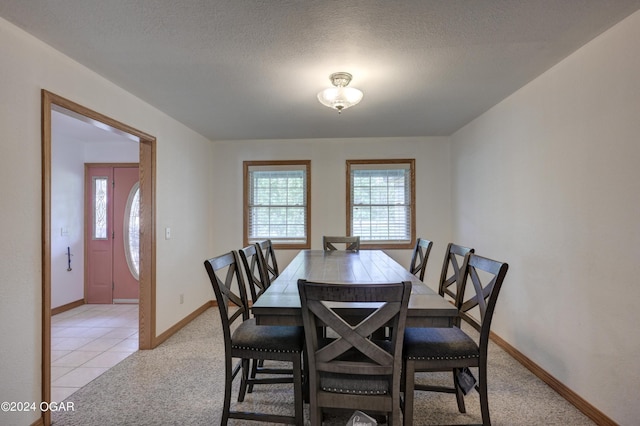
{"points": [[254, 370], [228, 382], [305, 376], [484, 396], [297, 391], [315, 415], [315, 411], [459, 394], [393, 418], [409, 383], [243, 380]]}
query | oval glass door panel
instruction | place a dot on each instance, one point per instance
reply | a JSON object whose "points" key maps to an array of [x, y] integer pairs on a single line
{"points": [[132, 231]]}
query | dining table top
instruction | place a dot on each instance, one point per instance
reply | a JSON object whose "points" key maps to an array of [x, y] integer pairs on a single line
{"points": [[280, 303]]}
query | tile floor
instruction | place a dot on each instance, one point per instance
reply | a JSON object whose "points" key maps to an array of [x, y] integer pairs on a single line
{"points": [[88, 340]]}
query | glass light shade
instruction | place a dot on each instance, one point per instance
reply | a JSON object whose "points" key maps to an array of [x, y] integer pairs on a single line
{"points": [[340, 97]]}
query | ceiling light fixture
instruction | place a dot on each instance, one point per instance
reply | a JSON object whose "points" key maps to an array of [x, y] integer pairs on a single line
{"points": [[340, 97]]}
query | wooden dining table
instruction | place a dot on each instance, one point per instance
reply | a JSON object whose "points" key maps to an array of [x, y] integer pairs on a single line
{"points": [[280, 303]]}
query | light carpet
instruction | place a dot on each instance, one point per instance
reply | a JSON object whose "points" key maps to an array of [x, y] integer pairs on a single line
{"points": [[181, 382]]}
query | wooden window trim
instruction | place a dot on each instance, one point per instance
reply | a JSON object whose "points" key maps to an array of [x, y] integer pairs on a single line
{"points": [[384, 245], [245, 200]]}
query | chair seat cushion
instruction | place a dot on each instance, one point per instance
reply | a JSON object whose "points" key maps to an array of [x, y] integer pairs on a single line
{"points": [[354, 384], [267, 338], [439, 344]]}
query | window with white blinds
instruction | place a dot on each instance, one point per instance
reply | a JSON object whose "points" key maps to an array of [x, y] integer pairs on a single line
{"points": [[276, 202], [381, 202]]}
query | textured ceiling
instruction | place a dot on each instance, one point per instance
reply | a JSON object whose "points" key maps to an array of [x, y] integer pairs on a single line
{"points": [[242, 69]]}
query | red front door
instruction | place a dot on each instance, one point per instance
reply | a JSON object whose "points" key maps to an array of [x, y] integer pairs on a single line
{"points": [[125, 244], [111, 216]]}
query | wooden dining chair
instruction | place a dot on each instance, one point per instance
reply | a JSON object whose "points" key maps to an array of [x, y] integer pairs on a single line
{"points": [[419, 257], [255, 271], [352, 370], [449, 287], [258, 283], [244, 340], [444, 349], [449, 283], [268, 256], [352, 243]]}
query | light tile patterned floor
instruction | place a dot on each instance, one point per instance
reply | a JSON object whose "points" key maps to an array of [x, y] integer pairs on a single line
{"points": [[88, 340]]}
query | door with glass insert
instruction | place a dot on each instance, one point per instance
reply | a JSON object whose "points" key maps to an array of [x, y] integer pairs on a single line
{"points": [[112, 234]]}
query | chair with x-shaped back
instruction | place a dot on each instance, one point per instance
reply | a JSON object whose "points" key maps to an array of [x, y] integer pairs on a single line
{"points": [[268, 256], [449, 287], [446, 349], [449, 283], [419, 258], [244, 340], [255, 272], [258, 283], [352, 243], [353, 370]]}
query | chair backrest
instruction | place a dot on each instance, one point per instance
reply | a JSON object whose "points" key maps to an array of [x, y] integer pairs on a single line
{"points": [[486, 277], [449, 283], [254, 268], [224, 273], [319, 309], [418, 265], [268, 256], [352, 243]]}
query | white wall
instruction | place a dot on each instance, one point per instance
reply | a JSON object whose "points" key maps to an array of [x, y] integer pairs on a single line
{"points": [[67, 225], [328, 191], [548, 181], [183, 173]]}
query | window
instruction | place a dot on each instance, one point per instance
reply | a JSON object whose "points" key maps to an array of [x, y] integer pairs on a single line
{"points": [[276, 203], [100, 207], [132, 231], [381, 203]]}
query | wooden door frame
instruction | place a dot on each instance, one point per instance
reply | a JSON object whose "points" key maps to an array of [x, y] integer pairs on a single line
{"points": [[147, 164]]}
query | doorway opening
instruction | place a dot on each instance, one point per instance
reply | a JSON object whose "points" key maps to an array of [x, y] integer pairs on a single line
{"points": [[146, 226]]}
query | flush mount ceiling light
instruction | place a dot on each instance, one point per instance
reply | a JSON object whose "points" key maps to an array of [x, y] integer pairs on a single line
{"points": [[340, 97]]}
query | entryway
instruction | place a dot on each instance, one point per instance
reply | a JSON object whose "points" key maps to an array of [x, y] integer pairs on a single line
{"points": [[147, 154]]}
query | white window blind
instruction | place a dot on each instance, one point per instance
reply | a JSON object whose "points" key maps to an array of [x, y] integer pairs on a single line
{"points": [[381, 202], [277, 204]]}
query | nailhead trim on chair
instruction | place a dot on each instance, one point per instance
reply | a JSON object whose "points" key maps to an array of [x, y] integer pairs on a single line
{"points": [[248, 348], [442, 357], [351, 391]]}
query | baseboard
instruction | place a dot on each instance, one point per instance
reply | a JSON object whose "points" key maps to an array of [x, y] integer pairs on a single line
{"points": [[580, 403], [67, 307], [180, 324]]}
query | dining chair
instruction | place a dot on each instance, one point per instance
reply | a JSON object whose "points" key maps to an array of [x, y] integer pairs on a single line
{"points": [[449, 287], [352, 370], [258, 283], [352, 243], [255, 271], [268, 256], [449, 283], [444, 349], [419, 257], [244, 340]]}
